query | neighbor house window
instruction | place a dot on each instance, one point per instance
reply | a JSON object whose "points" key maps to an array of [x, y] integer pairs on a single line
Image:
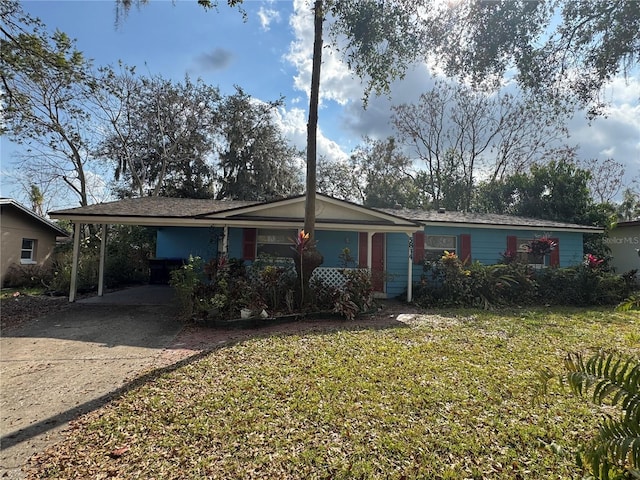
{"points": [[436, 245], [28, 252], [275, 242]]}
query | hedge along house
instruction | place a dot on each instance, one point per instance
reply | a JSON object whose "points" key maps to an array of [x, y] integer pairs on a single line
{"points": [[391, 243]]}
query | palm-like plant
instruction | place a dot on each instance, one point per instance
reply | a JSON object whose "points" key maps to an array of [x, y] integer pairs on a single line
{"points": [[615, 379]]}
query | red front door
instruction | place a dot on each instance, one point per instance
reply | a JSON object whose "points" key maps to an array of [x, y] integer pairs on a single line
{"points": [[377, 262]]}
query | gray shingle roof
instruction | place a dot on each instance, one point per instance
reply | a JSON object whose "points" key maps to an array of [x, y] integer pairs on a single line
{"points": [[156, 207], [189, 208], [481, 219]]}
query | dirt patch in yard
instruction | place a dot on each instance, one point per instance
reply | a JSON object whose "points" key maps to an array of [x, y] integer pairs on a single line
{"points": [[19, 309]]}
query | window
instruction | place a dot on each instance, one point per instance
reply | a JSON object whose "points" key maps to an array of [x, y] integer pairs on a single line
{"points": [[435, 246], [276, 242], [523, 255], [28, 252]]}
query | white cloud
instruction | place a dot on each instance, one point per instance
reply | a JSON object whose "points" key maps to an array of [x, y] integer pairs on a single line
{"points": [[268, 16], [615, 136], [293, 124], [337, 82]]}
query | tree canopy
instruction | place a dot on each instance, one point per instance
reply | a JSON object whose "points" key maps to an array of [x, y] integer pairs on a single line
{"points": [[47, 81]]}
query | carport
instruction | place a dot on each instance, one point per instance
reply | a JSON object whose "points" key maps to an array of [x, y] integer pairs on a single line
{"points": [[146, 211]]}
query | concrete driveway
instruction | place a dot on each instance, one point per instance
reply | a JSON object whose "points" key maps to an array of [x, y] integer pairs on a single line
{"points": [[58, 367]]}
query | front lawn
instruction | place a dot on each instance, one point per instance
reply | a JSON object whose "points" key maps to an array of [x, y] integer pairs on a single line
{"points": [[444, 396]]}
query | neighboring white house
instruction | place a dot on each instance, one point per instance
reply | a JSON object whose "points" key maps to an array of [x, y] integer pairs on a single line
{"points": [[624, 242], [27, 238]]}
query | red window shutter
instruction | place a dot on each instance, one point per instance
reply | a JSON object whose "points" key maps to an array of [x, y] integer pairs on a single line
{"points": [[465, 248], [418, 247], [249, 243], [512, 244], [554, 258], [362, 249]]}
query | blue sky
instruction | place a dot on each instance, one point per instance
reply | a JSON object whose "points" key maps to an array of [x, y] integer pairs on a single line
{"points": [[269, 55]]}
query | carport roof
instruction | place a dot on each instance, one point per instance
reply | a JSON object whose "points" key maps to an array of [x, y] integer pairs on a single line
{"points": [[153, 207]]}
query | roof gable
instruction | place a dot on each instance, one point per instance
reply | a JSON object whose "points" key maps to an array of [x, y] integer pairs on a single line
{"points": [[328, 210]]}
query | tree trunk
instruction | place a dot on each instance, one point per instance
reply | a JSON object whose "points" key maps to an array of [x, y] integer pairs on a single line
{"points": [[312, 125]]}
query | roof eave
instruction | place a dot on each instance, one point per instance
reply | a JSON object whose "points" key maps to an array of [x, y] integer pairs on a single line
{"points": [[505, 226]]}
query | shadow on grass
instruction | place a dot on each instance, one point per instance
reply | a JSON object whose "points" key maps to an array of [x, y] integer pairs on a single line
{"points": [[206, 340]]}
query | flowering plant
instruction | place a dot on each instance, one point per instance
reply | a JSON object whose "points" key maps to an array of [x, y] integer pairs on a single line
{"points": [[592, 262], [509, 256], [301, 242], [541, 246]]}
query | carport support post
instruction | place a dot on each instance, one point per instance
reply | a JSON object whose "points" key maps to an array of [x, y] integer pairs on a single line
{"points": [[103, 243], [74, 262], [410, 268]]}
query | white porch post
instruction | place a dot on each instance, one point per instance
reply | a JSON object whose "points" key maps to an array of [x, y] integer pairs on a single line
{"points": [[103, 244], [74, 263], [369, 253], [410, 268]]}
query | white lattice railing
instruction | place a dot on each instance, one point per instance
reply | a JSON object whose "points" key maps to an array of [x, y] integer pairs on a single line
{"points": [[330, 276]]}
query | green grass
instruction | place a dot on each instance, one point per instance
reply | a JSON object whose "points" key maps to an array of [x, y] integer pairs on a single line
{"points": [[445, 399]]}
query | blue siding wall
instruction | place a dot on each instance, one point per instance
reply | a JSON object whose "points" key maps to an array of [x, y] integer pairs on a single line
{"points": [[396, 263], [331, 244], [487, 244], [235, 243], [181, 242]]}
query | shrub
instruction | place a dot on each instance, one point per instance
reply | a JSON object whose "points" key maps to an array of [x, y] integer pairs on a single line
{"points": [[274, 280], [20, 276], [88, 269], [185, 281], [615, 451], [356, 296], [448, 283]]}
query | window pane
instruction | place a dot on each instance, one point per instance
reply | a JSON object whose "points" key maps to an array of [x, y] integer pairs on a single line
{"points": [[275, 242], [25, 255], [275, 250], [523, 253], [444, 242], [27, 244]]}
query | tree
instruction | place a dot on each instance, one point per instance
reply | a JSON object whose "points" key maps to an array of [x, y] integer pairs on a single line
{"points": [[36, 198], [386, 173], [255, 161], [48, 83], [339, 179], [565, 48], [606, 178], [160, 134], [458, 132], [557, 191], [629, 208]]}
